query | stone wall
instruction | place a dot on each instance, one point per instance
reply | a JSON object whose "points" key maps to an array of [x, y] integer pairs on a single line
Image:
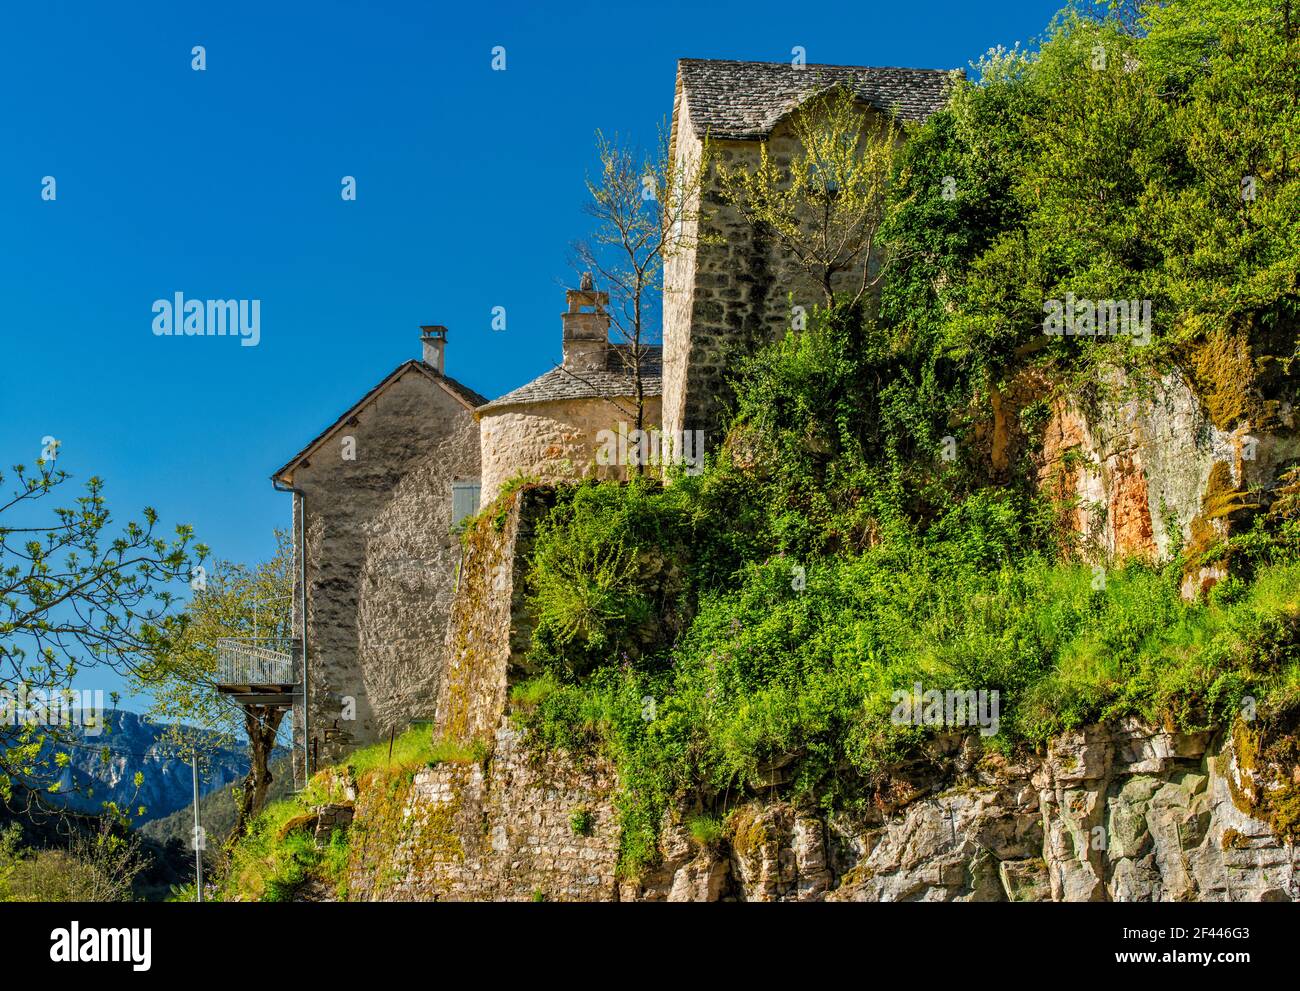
{"points": [[729, 289], [1125, 813], [489, 628], [554, 441], [679, 277], [381, 560], [511, 828], [512, 825]]}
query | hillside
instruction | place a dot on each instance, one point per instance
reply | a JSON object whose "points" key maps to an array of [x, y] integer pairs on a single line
{"points": [[102, 768]]}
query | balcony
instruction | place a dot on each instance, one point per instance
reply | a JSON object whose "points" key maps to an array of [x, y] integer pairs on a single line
{"points": [[258, 670]]}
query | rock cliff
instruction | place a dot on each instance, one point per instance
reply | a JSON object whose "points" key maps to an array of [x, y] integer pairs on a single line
{"points": [[1129, 813]]}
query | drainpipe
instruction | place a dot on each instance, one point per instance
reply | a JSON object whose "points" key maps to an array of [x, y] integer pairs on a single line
{"points": [[301, 497]]}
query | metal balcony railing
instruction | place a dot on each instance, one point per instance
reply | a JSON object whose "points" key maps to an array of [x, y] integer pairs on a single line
{"points": [[256, 661]]}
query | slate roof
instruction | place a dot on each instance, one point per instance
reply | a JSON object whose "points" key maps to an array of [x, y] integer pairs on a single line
{"points": [[468, 395], [743, 101], [613, 382]]}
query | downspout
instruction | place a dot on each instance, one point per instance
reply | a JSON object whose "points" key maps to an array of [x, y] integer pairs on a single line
{"points": [[301, 498]]}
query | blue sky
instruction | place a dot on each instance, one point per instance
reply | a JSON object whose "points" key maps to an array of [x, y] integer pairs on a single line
{"points": [[225, 183]]}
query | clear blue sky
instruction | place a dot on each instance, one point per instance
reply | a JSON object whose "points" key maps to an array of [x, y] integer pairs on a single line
{"points": [[225, 184]]}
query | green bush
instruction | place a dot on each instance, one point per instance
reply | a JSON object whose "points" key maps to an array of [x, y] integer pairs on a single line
{"points": [[581, 821], [776, 673]]}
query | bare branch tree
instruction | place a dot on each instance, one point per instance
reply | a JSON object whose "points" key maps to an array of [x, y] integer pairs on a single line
{"points": [[643, 206]]}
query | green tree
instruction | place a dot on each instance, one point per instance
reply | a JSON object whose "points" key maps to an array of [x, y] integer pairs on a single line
{"points": [[74, 595], [1157, 166], [237, 601], [826, 206]]}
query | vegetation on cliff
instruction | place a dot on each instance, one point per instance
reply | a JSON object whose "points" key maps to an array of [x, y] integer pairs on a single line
{"points": [[870, 524], [1113, 165], [787, 672], [876, 521]]}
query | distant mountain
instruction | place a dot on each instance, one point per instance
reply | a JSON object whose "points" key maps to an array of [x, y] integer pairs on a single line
{"points": [[102, 768]]}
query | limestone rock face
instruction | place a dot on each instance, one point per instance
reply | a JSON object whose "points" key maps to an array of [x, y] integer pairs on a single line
{"points": [[1123, 814], [1134, 468], [1140, 463]]}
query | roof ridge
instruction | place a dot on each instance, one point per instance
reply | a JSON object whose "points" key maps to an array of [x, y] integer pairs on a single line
{"points": [[559, 383], [813, 65]]}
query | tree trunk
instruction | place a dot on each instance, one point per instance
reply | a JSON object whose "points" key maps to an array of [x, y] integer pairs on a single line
{"points": [[640, 386], [262, 723]]}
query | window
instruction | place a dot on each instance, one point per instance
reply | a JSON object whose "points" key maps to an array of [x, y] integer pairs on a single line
{"points": [[464, 500]]}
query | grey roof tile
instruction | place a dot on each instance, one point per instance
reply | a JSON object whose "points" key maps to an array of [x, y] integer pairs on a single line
{"points": [[614, 381], [743, 101], [459, 388]]}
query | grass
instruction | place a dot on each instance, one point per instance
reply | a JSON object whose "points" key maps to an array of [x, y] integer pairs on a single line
{"points": [[806, 678], [270, 864], [706, 830], [278, 857], [412, 749], [531, 693]]}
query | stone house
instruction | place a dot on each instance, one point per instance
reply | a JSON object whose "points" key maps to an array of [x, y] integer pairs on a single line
{"points": [[385, 485], [730, 288], [381, 489], [557, 427]]}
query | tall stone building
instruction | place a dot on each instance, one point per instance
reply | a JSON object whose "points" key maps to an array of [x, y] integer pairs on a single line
{"points": [[557, 427], [731, 289], [381, 488]]}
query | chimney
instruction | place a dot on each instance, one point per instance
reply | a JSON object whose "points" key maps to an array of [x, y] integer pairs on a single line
{"points": [[586, 327], [434, 342]]}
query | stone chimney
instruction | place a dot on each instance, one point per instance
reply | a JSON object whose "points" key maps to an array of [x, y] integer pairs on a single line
{"points": [[434, 342], [586, 327]]}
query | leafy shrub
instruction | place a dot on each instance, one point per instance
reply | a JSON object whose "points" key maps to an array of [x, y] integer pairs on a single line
{"points": [[91, 868], [581, 821]]}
